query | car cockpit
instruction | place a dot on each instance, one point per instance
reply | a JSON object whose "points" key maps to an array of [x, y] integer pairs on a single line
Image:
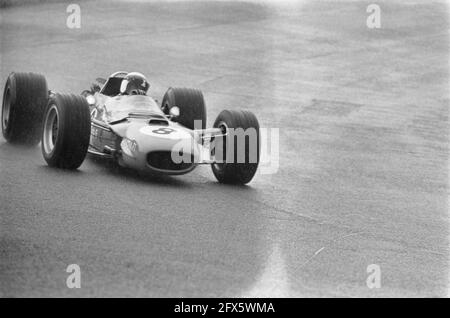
{"points": [[123, 83], [112, 84]]}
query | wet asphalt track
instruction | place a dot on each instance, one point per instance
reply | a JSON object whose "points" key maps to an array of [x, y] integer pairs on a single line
{"points": [[363, 118]]}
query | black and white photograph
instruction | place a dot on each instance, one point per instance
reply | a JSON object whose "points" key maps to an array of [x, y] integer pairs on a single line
{"points": [[224, 154]]}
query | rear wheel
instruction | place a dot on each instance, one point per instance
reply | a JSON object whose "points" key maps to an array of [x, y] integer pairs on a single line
{"points": [[66, 131], [239, 148], [24, 101], [191, 104]]}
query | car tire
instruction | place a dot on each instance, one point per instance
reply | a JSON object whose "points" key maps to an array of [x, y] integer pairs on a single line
{"points": [[191, 104], [66, 131], [24, 100], [236, 172]]}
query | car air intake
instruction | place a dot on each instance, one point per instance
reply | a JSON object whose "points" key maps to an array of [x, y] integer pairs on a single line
{"points": [[163, 160], [159, 122]]}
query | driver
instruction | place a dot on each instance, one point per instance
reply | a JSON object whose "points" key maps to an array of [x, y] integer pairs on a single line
{"points": [[134, 83]]}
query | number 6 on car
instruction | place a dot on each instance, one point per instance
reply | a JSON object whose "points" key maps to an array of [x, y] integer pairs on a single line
{"points": [[117, 120]]}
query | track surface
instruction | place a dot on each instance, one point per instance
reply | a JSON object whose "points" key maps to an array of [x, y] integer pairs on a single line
{"points": [[363, 118]]}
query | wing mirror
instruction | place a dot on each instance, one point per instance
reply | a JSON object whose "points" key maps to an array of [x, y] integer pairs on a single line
{"points": [[174, 112], [90, 99]]}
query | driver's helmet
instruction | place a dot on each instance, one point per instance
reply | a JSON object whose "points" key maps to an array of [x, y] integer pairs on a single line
{"points": [[134, 83]]}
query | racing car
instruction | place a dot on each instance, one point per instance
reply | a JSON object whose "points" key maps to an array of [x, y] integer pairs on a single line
{"points": [[117, 120]]}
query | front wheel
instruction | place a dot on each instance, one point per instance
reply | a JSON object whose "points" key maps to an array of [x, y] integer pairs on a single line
{"points": [[237, 153], [66, 131]]}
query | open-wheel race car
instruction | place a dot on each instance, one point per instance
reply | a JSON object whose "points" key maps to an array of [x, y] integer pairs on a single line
{"points": [[117, 120]]}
